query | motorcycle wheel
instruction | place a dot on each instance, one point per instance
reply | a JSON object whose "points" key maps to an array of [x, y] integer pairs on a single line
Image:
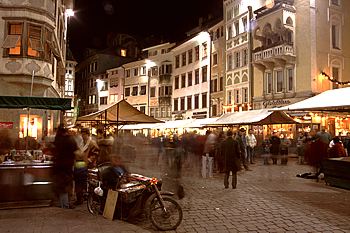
{"points": [[168, 220], [94, 204]]}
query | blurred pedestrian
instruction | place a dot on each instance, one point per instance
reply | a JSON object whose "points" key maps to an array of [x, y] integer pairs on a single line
{"points": [[284, 149], [219, 157], [65, 146], [232, 159], [347, 143], [208, 154], [301, 146], [242, 143], [337, 150], [251, 144], [275, 143]]}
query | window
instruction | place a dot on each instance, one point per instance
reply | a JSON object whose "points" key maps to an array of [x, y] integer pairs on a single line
{"points": [[177, 61], [176, 104], [204, 74], [244, 22], [162, 112], [143, 109], [93, 99], [196, 77], [143, 90], [127, 73], [335, 75], [335, 36], [183, 59], [221, 86], [229, 97], [279, 81], [154, 71], [13, 41], [236, 28], [103, 100], [123, 52], [204, 100], [35, 46], [168, 90], [190, 52], [204, 50], [237, 59], [269, 83], [229, 14], [136, 71], [152, 112], [127, 91], [229, 32], [236, 96], [134, 91], [245, 57], [290, 78], [196, 49], [143, 70], [215, 85], [245, 95], [229, 62], [196, 101], [189, 79], [176, 82], [235, 10], [189, 102], [153, 92], [336, 2], [215, 59], [182, 104], [183, 80]]}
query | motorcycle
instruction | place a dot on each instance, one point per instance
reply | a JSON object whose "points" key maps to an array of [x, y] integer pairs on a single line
{"points": [[137, 194]]}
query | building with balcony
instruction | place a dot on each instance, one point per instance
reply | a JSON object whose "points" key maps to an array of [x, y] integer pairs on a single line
{"points": [[33, 60], [191, 77], [239, 73], [294, 42]]}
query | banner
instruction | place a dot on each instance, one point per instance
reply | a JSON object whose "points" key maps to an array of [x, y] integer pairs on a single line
{"points": [[6, 125]]}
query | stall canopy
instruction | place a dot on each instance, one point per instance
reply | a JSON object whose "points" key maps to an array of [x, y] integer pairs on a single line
{"points": [[331, 100], [121, 112], [253, 117], [35, 102], [173, 124]]}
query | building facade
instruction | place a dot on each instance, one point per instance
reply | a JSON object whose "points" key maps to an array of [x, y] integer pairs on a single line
{"points": [[295, 42], [70, 115], [33, 59], [116, 84], [191, 77]]}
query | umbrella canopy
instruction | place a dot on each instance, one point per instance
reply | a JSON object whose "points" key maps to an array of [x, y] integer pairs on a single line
{"points": [[121, 112], [331, 100], [254, 117]]}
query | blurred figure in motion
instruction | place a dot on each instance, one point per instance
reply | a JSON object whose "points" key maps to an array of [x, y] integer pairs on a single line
{"points": [[6, 143], [208, 154], [232, 159], [65, 146]]}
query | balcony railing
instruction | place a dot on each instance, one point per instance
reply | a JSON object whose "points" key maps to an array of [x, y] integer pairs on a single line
{"points": [[277, 51]]}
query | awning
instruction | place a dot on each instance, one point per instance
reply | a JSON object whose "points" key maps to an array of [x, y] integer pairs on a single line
{"points": [[174, 124], [253, 117], [138, 126], [35, 102], [331, 100], [199, 123], [121, 112]]}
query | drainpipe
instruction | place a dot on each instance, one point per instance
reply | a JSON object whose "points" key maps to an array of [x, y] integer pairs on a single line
{"points": [[250, 56]]}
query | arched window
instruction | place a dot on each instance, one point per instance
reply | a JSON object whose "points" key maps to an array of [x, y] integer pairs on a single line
{"points": [[335, 32], [289, 21], [244, 78], [229, 80], [236, 80]]}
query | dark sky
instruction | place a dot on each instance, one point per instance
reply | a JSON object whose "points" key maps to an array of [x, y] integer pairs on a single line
{"points": [[165, 19]]}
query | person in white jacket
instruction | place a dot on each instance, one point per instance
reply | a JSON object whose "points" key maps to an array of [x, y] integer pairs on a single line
{"points": [[251, 144]]}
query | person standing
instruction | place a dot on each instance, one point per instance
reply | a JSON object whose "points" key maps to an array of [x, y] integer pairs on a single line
{"points": [[300, 147], [232, 163], [208, 154], [347, 143], [337, 150], [284, 149], [251, 143], [242, 143], [64, 148], [275, 143]]}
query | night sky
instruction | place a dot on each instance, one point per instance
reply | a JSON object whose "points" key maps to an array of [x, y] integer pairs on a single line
{"points": [[163, 19]]}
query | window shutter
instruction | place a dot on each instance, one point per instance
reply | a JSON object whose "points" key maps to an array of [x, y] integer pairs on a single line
{"points": [[11, 41]]}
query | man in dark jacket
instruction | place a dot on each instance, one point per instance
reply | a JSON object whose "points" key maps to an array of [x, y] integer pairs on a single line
{"points": [[242, 145], [232, 155]]}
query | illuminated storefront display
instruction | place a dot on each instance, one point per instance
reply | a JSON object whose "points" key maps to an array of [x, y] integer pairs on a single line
{"points": [[34, 126]]}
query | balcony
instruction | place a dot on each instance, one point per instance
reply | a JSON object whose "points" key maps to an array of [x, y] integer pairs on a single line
{"points": [[277, 55], [164, 100], [165, 79]]}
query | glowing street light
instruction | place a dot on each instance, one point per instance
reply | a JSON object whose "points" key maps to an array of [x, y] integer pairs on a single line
{"points": [[69, 13]]}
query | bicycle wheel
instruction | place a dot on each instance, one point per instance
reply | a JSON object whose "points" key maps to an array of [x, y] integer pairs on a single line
{"points": [[94, 204], [167, 218]]}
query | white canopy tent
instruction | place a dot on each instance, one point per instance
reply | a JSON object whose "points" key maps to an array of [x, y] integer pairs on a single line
{"points": [[331, 100], [198, 123], [261, 117], [173, 124]]}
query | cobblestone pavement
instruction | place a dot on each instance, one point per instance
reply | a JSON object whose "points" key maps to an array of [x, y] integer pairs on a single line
{"points": [[270, 198]]}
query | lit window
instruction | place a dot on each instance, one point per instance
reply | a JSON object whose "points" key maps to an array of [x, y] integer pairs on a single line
{"points": [[34, 41], [13, 39], [123, 52]]}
